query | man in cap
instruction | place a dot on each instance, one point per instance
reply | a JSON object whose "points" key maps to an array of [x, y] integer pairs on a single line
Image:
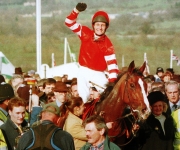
{"points": [[159, 74], [47, 135], [6, 93], [96, 51]]}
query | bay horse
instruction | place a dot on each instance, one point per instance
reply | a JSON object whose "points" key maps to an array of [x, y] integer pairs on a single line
{"points": [[128, 93]]}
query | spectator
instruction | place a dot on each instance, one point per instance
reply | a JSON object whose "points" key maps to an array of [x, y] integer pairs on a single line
{"points": [[157, 132], [159, 74], [149, 84], [15, 124], [16, 81], [90, 105], [158, 86], [74, 90], [73, 109], [167, 76], [40, 84], [48, 87], [47, 135], [60, 92], [6, 93], [96, 52], [96, 133], [3, 145], [50, 97], [172, 93], [176, 117]]}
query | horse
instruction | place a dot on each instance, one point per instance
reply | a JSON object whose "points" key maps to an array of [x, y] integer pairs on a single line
{"points": [[127, 95]]}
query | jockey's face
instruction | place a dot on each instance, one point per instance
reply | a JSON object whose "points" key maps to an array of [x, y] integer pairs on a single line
{"points": [[100, 28]]}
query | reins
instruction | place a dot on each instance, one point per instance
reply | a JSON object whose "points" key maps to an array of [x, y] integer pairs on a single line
{"points": [[127, 115]]}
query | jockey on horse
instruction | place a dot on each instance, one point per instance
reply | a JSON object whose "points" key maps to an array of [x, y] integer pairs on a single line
{"points": [[96, 52]]}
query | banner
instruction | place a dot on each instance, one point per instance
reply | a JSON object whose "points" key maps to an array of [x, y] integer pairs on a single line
{"points": [[176, 58]]}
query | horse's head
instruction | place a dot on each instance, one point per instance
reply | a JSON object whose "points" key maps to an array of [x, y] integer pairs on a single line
{"points": [[129, 91], [134, 89]]}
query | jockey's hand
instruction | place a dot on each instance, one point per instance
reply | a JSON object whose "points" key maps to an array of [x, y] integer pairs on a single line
{"points": [[81, 7], [109, 125]]}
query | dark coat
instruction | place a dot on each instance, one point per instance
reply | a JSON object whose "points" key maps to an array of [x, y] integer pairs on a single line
{"points": [[61, 139], [10, 132], [152, 137]]}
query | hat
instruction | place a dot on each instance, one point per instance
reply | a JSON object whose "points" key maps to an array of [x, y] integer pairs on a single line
{"points": [[30, 72], [23, 92], [159, 69], [156, 96], [60, 87], [6, 91], [51, 107], [101, 16], [18, 70], [170, 70]]}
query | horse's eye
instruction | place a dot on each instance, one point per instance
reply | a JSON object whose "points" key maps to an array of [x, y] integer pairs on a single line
{"points": [[132, 85]]}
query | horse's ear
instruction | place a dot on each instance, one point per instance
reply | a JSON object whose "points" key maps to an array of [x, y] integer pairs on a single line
{"points": [[131, 67], [143, 67]]}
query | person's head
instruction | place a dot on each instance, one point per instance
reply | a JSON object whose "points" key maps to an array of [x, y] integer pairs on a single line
{"points": [[49, 85], [157, 102], [75, 105], [40, 84], [172, 91], [149, 84], [60, 91], [6, 93], [100, 22], [167, 76], [94, 94], [50, 97], [160, 71], [50, 112], [96, 129], [16, 80], [170, 70], [17, 109], [74, 89]]}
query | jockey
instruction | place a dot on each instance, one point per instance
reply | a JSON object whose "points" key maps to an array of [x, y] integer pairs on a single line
{"points": [[96, 51]]}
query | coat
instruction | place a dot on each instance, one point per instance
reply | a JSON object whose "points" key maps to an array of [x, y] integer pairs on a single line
{"points": [[73, 125], [152, 136], [11, 132], [107, 145]]}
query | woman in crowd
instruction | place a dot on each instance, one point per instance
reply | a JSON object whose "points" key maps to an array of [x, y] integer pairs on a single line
{"points": [[72, 111], [157, 132]]}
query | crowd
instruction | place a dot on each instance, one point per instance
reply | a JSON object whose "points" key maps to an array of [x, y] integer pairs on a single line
{"points": [[53, 113]]}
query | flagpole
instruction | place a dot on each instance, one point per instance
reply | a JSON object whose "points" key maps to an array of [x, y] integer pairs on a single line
{"points": [[171, 55], [122, 60], [38, 34], [65, 50]]}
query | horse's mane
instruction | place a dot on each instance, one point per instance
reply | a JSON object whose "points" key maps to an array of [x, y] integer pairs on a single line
{"points": [[110, 86]]}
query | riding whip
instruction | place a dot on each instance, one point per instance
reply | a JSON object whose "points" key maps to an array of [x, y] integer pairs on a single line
{"points": [[94, 84]]}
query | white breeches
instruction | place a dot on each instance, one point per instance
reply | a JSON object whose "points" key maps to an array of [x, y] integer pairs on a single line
{"points": [[84, 76]]}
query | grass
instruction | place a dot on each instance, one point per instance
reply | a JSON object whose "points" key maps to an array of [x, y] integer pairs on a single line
{"points": [[18, 39]]}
